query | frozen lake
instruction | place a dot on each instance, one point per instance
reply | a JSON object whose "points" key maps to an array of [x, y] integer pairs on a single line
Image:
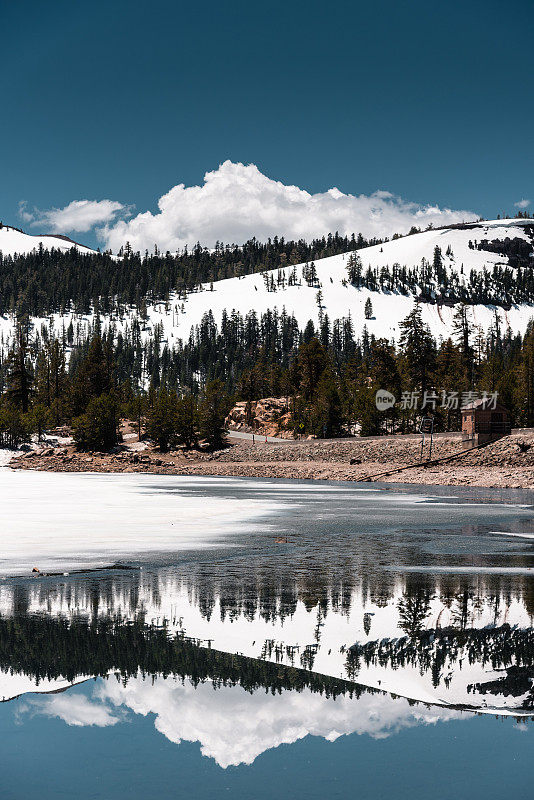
{"points": [[61, 522], [264, 627]]}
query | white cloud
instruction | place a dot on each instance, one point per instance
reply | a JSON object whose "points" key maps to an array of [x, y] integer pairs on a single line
{"points": [[522, 203], [24, 214], [74, 709], [79, 215], [234, 726], [237, 202]]}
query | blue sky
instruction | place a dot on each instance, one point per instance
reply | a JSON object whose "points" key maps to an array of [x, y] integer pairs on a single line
{"points": [[124, 100]]}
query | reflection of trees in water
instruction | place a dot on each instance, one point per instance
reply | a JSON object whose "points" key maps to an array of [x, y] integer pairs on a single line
{"points": [[274, 597], [463, 605], [273, 591], [103, 641], [437, 650], [518, 682], [271, 596], [413, 611], [528, 597], [44, 648]]}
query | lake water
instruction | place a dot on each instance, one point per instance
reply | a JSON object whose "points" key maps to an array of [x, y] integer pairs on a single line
{"points": [[264, 639]]}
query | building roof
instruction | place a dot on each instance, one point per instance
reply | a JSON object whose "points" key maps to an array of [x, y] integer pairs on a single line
{"points": [[483, 405]]}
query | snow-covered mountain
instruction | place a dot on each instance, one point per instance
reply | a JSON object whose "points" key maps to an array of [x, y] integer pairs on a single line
{"points": [[16, 242], [464, 248], [339, 298]]}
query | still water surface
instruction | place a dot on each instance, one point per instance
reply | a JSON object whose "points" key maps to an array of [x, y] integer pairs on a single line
{"points": [[266, 638]]}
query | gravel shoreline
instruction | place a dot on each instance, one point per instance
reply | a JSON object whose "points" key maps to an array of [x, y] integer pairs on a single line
{"points": [[507, 463]]}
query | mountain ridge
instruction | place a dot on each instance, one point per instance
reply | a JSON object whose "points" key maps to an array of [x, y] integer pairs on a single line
{"points": [[15, 241], [473, 254]]}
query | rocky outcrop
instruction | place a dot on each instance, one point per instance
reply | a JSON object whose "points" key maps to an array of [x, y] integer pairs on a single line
{"points": [[267, 417]]}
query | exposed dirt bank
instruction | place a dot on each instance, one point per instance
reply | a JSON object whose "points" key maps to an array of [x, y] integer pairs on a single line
{"points": [[507, 463]]}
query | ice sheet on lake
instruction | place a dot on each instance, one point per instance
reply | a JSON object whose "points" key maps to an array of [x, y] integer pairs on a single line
{"points": [[515, 535], [59, 522]]}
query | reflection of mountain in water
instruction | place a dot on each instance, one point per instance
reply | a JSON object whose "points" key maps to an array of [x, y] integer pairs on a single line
{"points": [[51, 649], [257, 704], [441, 640]]}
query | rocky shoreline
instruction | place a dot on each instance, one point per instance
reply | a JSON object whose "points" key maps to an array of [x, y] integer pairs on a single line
{"points": [[507, 463]]}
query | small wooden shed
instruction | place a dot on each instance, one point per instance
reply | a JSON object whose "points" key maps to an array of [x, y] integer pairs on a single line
{"points": [[483, 422]]}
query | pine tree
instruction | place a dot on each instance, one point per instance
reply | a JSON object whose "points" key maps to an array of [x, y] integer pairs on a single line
{"points": [[309, 366], [214, 407], [136, 409], [94, 373], [354, 269], [437, 264], [98, 427], [418, 350], [327, 413], [463, 332], [311, 275], [20, 372], [187, 421], [161, 419], [40, 418]]}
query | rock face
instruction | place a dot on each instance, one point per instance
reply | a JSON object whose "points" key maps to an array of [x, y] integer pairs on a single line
{"points": [[268, 417]]}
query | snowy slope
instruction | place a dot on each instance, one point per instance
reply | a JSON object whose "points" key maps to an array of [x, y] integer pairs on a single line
{"points": [[339, 298], [13, 684], [409, 250], [13, 241]]}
